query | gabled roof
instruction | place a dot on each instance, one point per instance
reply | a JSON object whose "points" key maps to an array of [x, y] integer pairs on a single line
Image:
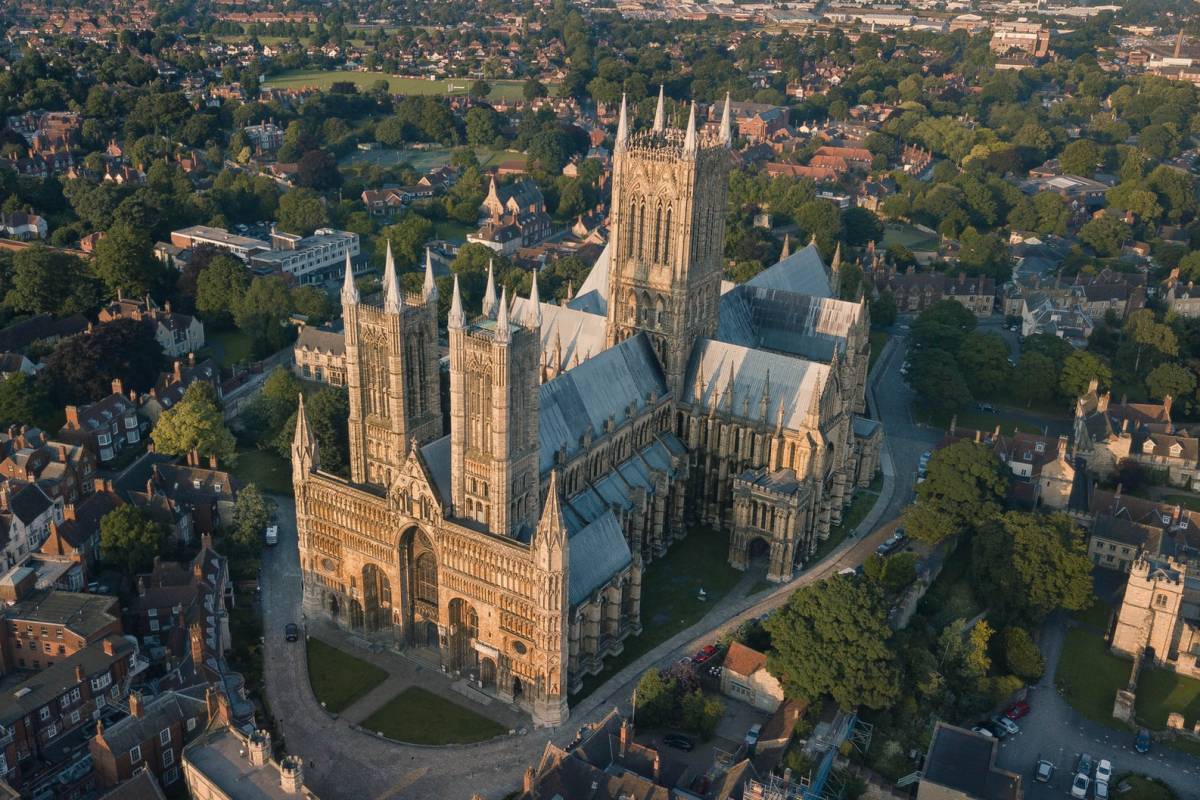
{"points": [[809, 326], [592, 296], [802, 272], [597, 552], [573, 336]]}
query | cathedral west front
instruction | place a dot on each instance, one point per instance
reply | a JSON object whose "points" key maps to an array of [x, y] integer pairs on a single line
{"points": [[585, 438]]}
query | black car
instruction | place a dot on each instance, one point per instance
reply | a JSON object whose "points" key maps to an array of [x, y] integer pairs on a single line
{"points": [[291, 632], [999, 731], [679, 742]]}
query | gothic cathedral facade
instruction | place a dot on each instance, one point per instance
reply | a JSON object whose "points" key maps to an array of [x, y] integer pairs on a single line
{"points": [[583, 438]]}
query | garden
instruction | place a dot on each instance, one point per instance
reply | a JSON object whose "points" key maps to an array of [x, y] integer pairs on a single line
{"points": [[418, 716], [338, 678]]}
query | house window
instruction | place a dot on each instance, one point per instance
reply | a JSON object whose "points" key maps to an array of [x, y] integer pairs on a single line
{"points": [[65, 700], [171, 775], [135, 754], [44, 713], [74, 717], [1160, 600], [52, 730], [168, 757], [104, 439], [101, 683], [191, 724], [75, 695], [164, 736]]}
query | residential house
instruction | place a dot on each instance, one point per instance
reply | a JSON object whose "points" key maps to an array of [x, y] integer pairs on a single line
{"points": [[171, 386], [64, 471], [26, 513], [42, 627], [39, 712], [208, 495], [151, 738], [514, 216], [1123, 528], [1183, 298], [23, 226], [744, 677], [320, 354], [916, 291], [13, 363], [71, 551], [105, 427], [178, 334], [1040, 314], [142, 786], [40, 328]]}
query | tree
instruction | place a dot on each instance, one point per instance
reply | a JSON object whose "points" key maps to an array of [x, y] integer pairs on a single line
{"points": [[408, 237], [943, 326], [831, 638], [1080, 157], [483, 126], [24, 401], [81, 369], [129, 539], [884, 310], [1039, 379], [1105, 235], [219, 288], [251, 514], [701, 714], [1170, 380], [327, 412], [860, 226], [1078, 371], [1029, 565], [317, 169], [1022, 656], [893, 575], [195, 423], [261, 313], [654, 699], [963, 488], [533, 88], [49, 281], [937, 380], [125, 261], [819, 218], [984, 356], [301, 212]]}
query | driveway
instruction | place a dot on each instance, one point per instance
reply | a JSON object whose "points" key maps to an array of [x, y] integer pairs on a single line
{"points": [[1055, 731]]}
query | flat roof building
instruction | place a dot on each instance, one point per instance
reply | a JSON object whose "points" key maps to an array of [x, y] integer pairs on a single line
{"points": [[961, 765]]}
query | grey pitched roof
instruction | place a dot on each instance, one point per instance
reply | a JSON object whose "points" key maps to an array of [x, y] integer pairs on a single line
{"points": [[437, 460], [324, 340], [158, 714], [600, 388], [802, 272], [28, 503], [574, 335], [592, 296], [789, 383], [597, 552], [809, 326]]}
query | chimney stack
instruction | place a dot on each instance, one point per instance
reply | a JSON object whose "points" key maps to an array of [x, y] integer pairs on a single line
{"points": [[117, 387], [135, 705]]}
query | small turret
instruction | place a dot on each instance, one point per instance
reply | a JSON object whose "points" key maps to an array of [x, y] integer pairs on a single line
{"points": [[429, 290], [535, 304], [689, 138], [349, 290], [489, 294], [622, 126], [727, 123], [391, 286], [456, 319], [503, 334], [659, 115]]}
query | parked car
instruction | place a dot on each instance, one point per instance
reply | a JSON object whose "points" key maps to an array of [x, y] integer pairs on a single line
{"points": [[1007, 724], [291, 632], [1086, 765], [998, 730], [1079, 786], [704, 653], [1100, 790], [982, 731], [1141, 742], [679, 742], [752, 735], [1044, 771], [1104, 771], [1017, 710], [272, 535]]}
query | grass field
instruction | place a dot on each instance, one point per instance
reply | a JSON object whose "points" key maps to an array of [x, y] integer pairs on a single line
{"points": [[265, 469], [422, 717], [323, 79], [1089, 675], [228, 347], [1095, 616], [1161, 692], [425, 159], [670, 586], [908, 236], [338, 678]]}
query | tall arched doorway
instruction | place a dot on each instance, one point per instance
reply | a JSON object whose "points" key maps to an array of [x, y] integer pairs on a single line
{"points": [[464, 628], [377, 599], [420, 608], [487, 673], [758, 551]]}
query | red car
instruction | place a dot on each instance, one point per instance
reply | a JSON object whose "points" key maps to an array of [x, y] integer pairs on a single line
{"points": [[1017, 710], [704, 654]]}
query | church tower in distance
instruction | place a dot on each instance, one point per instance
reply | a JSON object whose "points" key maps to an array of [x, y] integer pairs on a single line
{"points": [[392, 374], [668, 233]]}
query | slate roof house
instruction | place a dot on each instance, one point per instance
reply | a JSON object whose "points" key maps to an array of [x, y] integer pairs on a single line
{"points": [[178, 334]]}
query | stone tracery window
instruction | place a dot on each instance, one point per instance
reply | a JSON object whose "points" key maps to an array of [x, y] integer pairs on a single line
{"points": [[426, 578]]}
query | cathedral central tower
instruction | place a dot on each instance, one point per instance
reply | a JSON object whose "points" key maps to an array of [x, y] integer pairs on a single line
{"points": [[668, 231]]}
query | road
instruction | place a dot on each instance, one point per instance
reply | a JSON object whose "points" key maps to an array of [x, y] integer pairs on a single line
{"points": [[1056, 732]]}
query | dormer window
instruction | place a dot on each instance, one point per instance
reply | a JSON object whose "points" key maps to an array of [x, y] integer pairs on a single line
{"points": [[1040, 447], [1148, 446], [1176, 449]]}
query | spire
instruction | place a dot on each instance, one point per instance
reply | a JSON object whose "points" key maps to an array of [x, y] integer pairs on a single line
{"points": [[489, 294], [836, 264], [304, 443], [535, 303], [787, 247], [349, 290], [727, 124], [429, 292], [622, 126], [503, 334], [456, 319], [765, 402], [658, 112], [391, 286], [689, 138], [550, 540]]}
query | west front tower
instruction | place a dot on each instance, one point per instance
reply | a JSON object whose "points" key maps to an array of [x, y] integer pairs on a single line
{"points": [[668, 231]]}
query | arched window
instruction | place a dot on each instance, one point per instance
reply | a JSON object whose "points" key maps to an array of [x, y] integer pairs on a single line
{"points": [[426, 578], [641, 230], [658, 311], [631, 221], [657, 233], [666, 248]]}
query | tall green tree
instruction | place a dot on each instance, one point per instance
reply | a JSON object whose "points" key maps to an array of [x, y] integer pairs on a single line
{"points": [[831, 639], [50, 281], [964, 487], [219, 288], [251, 514], [81, 369], [195, 423], [1078, 370], [984, 356], [129, 539], [124, 260], [301, 212]]}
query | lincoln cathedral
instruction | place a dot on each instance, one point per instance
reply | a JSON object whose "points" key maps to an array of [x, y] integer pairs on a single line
{"points": [[586, 437]]}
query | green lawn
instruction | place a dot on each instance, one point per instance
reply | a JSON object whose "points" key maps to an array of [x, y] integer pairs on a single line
{"points": [[421, 717], [338, 678], [669, 597], [323, 79], [1095, 616], [908, 236], [229, 347], [878, 340], [1161, 692], [1089, 675], [1142, 788], [451, 231], [265, 469]]}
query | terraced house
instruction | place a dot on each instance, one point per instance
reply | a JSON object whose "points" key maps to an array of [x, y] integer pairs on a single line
{"points": [[584, 439]]}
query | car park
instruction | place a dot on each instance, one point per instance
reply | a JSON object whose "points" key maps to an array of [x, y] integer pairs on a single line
{"points": [[1079, 786], [679, 742], [1007, 724], [1017, 710], [1043, 772], [291, 632], [1141, 742]]}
